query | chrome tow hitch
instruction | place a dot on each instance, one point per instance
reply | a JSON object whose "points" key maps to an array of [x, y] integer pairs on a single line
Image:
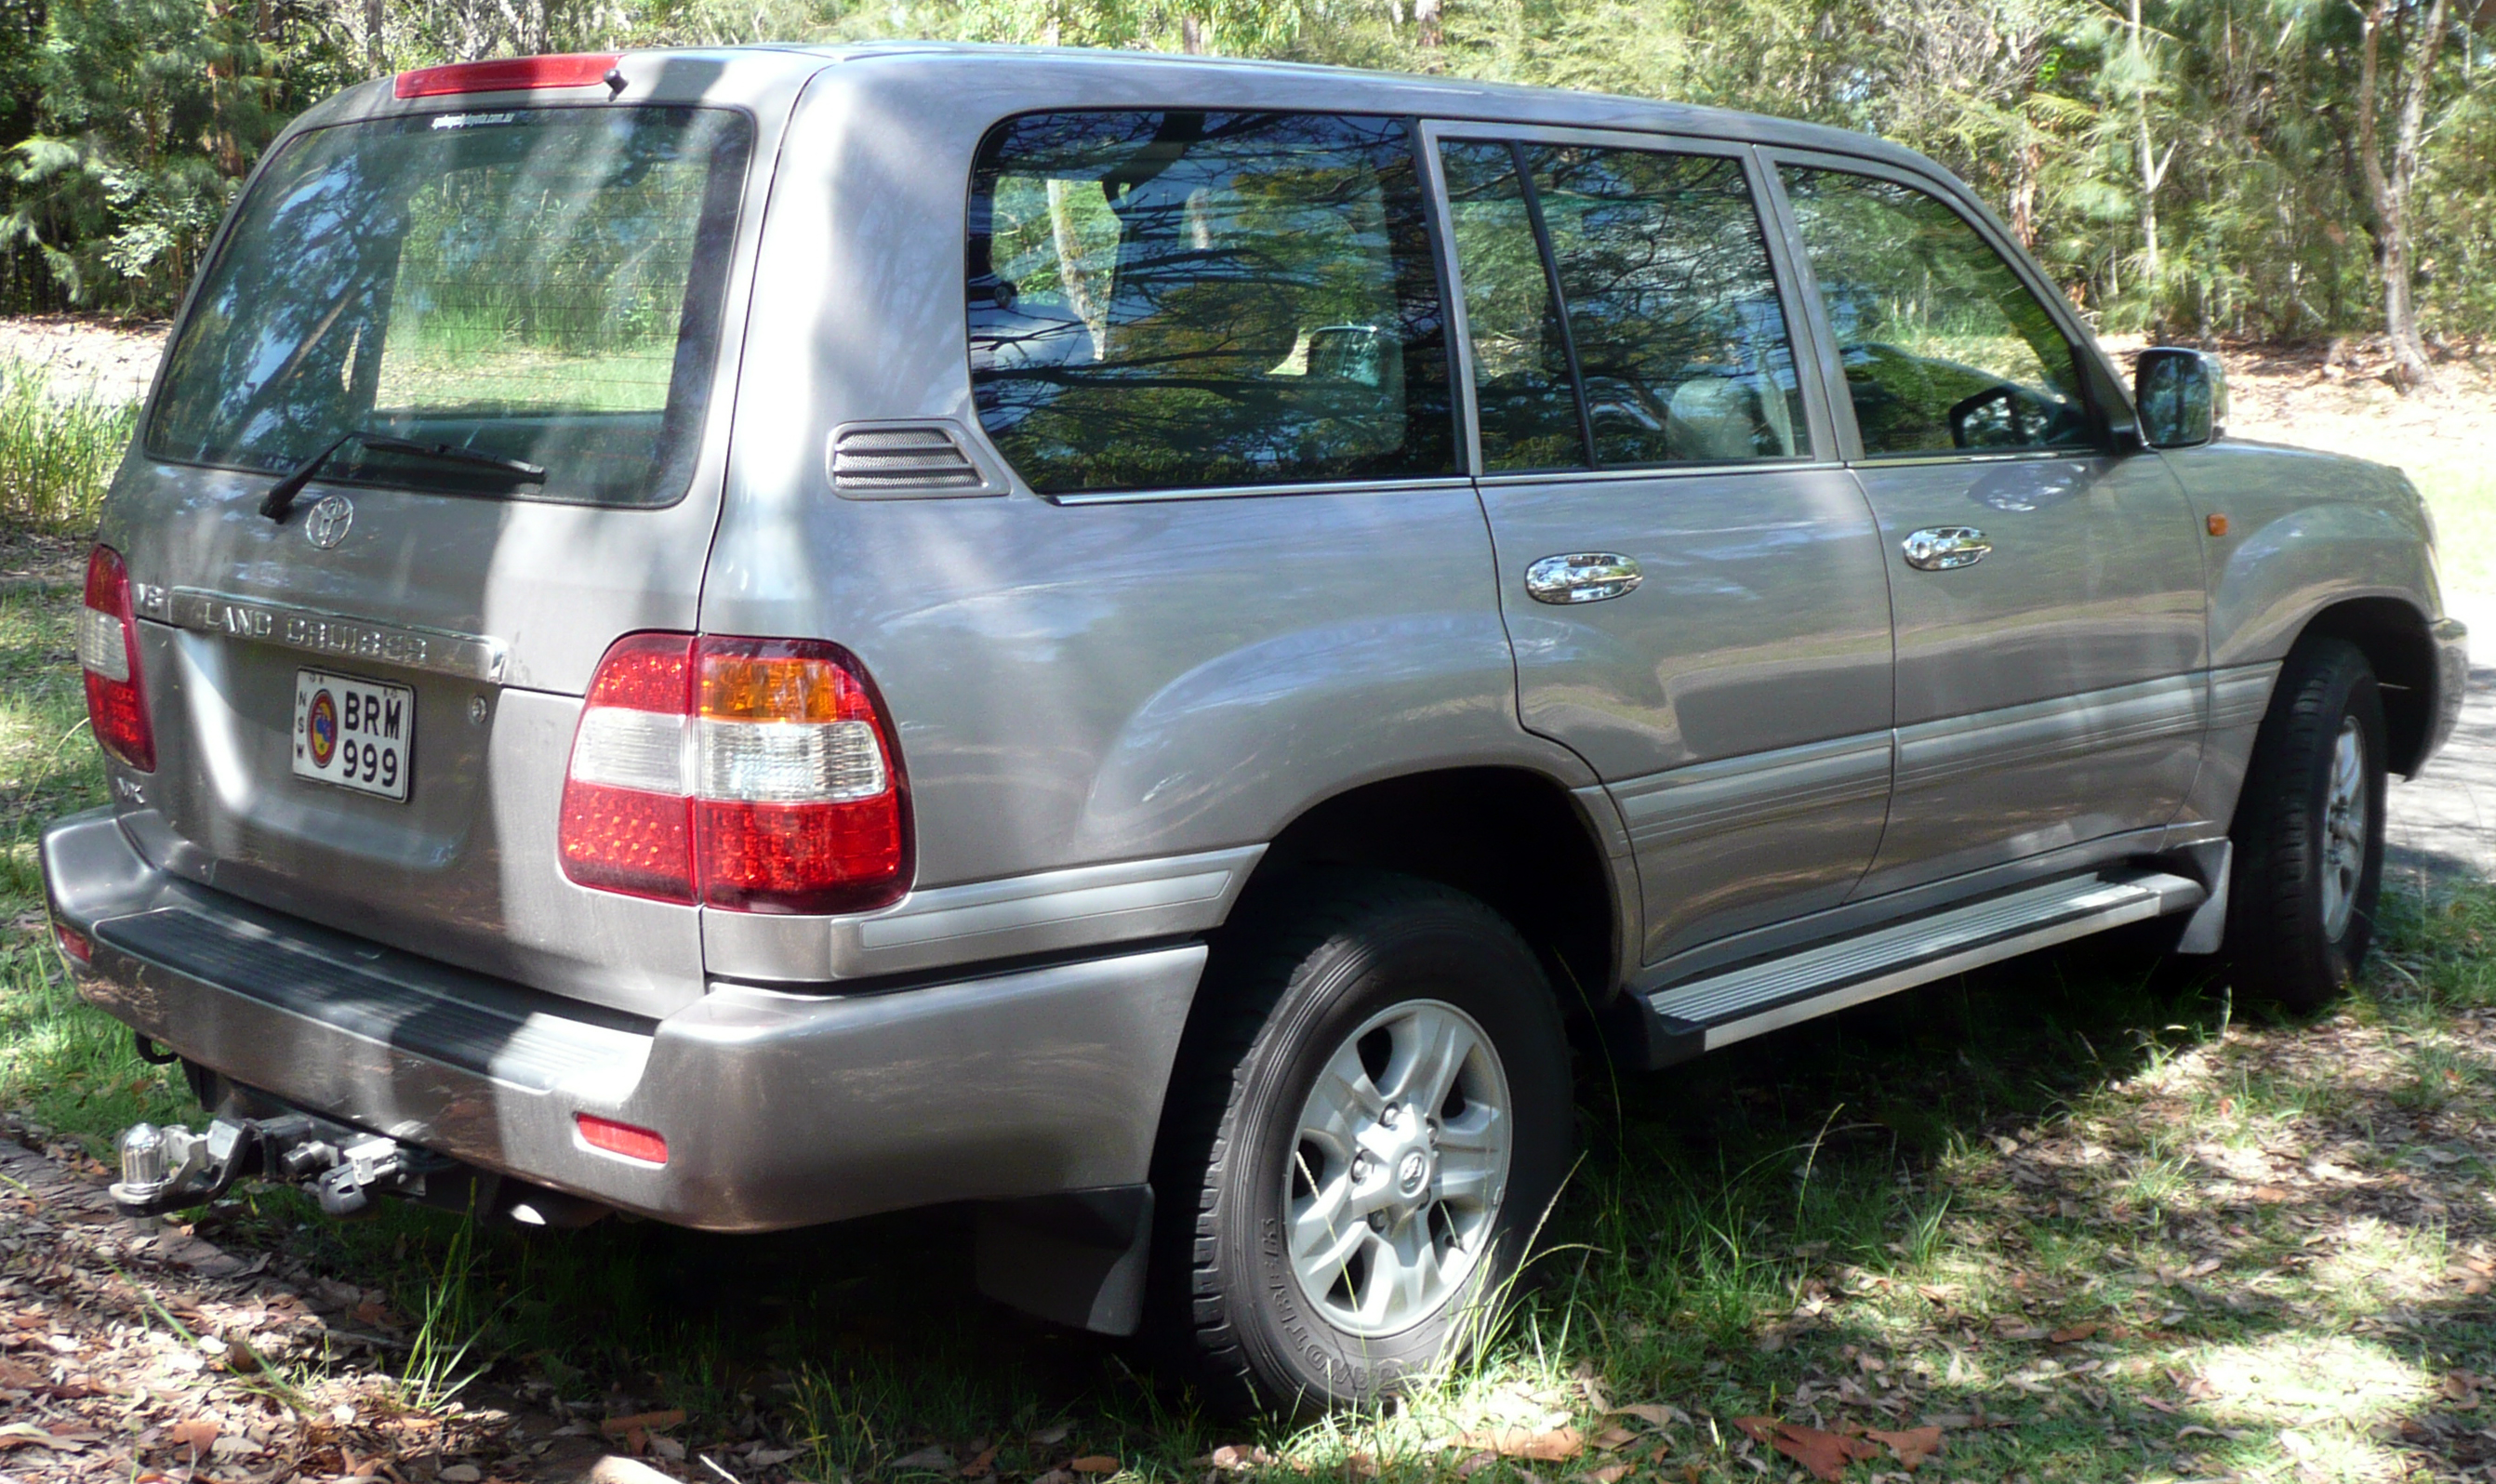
{"points": [[166, 1169]]}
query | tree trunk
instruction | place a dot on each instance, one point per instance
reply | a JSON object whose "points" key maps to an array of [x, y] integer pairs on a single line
{"points": [[2153, 166], [2388, 191], [376, 58], [1426, 22]]}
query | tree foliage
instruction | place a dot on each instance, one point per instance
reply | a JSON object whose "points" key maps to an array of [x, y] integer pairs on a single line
{"points": [[2275, 167]]}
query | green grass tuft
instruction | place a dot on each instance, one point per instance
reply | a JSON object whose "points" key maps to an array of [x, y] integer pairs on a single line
{"points": [[56, 453]]}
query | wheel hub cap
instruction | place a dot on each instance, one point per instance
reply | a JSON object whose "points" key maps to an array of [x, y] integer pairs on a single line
{"points": [[1412, 1173], [2344, 828], [1398, 1168]]}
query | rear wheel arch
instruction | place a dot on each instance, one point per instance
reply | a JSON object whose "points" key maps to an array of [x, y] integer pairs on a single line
{"points": [[2393, 636], [1517, 840]]}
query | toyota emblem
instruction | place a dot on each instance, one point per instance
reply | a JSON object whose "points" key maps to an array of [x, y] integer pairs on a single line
{"points": [[327, 525]]}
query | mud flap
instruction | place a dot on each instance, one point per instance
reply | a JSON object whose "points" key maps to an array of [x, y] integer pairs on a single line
{"points": [[1075, 1259]]}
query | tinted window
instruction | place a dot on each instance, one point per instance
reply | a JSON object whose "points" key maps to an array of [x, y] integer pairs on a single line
{"points": [[1174, 300], [1675, 319], [1944, 347], [1671, 315], [1523, 394], [538, 284]]}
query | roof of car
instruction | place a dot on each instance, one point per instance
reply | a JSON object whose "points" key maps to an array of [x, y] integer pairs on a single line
{"points": [[1451, 97], [1148, 78]]}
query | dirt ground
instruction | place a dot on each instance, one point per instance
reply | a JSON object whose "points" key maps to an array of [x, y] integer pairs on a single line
{"points": [[111, 361]]}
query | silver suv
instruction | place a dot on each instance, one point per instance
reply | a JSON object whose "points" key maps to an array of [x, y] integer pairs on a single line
{"points": [[755, 637]]}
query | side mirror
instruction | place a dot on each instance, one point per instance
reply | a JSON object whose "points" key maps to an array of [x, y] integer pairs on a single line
{"points": [[2182, 394]]}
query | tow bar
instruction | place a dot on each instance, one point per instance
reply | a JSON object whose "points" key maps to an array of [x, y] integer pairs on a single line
{"points": [[166, 1169]]}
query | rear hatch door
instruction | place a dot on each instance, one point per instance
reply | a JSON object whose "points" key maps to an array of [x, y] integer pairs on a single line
{"points": [[364, 707]]}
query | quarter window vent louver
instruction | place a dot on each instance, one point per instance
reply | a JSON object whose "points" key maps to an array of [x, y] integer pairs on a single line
{"points": [[890, 461]]}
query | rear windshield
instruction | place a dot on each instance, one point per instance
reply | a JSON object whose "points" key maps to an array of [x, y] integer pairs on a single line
{"points": [[542, 285]]}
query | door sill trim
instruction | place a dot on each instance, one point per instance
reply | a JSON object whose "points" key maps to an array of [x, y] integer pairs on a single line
{"points": [[1700, 1015]]}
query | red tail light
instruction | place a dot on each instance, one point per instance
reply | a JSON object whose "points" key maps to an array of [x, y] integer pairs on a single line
{"points": [[624, 1140], [757, 774], [506, 75], [107, 650]]}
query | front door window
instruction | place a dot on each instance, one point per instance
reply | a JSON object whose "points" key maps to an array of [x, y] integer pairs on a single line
{"points": [[1945, 348]]}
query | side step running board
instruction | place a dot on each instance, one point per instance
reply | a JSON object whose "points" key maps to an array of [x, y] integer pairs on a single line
{"points": [[1680, 1021]]}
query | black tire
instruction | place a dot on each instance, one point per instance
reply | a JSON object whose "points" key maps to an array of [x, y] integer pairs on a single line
{"points": [[1292, 983], [2282, 942]]}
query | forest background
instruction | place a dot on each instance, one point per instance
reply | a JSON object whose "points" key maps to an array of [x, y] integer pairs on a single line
{"points": [[2272, 170]]}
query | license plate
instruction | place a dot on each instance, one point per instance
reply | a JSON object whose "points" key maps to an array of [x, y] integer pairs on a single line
{"points": [[358, 734]]}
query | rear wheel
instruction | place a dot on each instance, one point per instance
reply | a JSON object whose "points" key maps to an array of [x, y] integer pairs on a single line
{"points": [[2309, 831], [1362, 1142]]}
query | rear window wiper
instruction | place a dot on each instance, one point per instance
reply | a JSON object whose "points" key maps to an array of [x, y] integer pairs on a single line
{"points": [[280, 499]]}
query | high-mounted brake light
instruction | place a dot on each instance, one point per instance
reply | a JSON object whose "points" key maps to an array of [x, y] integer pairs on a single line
{"points": [[107, 650], [507, 75], [757, 775]]}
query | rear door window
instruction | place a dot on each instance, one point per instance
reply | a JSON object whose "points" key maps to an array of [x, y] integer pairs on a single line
{"points": [[1177, 299], [542, 285], [1946, 350], [1652, 335]]}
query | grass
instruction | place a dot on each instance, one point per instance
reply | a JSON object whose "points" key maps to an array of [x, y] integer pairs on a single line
{"points": [[55, 454]]}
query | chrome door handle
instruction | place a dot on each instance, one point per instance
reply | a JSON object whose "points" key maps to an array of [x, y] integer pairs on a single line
{"points": [[1942, 548], [1582, 576]]}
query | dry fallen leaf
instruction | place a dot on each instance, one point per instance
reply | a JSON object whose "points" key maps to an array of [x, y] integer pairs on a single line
{"points": [[1826, 1454], [1095, 1462], [196, 1433], [2075, 1332], [647, 1422], [1612, 1437], [935, 1458], [1911, 1446], [1051, 1436], [1654, 1415], [1233, 1458], [1549, 1447], [1609, 1473], [1476, 1463], [979, 1468]]}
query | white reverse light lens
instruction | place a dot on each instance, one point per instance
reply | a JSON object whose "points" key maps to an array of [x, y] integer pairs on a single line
{"points": [[790, 763], [104, 645], [624, 749]]}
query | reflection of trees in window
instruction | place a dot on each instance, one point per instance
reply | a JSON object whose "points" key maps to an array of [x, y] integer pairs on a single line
{"points": [[1523, 397], [1679, 333], [1944, 347], [1182, 298], [1672, 312]]}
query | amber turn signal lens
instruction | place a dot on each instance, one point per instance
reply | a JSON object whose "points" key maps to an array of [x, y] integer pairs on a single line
{"points": [[2216, 525]]}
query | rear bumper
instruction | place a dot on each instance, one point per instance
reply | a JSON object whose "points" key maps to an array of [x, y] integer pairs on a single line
{"points": [[779, 1109]]}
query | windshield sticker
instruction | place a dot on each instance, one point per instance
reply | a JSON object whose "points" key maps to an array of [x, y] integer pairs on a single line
{"points": [[471, 120]]}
